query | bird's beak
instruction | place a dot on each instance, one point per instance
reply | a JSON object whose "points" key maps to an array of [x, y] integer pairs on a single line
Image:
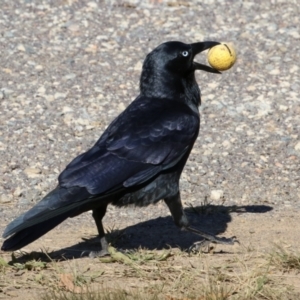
{"points": [[199, 47]]}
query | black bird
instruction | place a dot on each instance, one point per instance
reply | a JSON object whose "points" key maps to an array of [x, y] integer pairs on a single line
{"points": [[139, 157]]}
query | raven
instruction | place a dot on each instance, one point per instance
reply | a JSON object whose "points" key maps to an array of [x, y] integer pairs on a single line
{"points": [[138, 159]]}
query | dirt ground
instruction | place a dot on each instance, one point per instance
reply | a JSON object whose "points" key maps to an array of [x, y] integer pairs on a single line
{"points": [[267, 240]]}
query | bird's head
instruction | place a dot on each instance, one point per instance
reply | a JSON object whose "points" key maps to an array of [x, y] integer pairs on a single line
{"points": [[178, 57], [170, 62]]}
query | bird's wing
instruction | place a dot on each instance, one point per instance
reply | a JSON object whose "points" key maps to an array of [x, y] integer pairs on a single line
{"points": [[149, 136], [153, 131]]}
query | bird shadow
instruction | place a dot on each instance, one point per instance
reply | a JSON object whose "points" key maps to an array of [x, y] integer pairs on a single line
{"points": [[159, 233]]}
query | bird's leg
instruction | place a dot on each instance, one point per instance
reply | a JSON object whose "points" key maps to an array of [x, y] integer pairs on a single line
{"points": [[98, 214], [180, 219], [209, 238]]}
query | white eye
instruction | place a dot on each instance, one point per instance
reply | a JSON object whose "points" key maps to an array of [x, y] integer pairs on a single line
{"points": [[185, 53]]}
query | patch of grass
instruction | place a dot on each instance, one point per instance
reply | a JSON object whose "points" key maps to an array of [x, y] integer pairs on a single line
{"points": [[132, 257], [152, 275], [18, 275], [142, 256], [104, 294], [3, 264], [284, 260], [31, 261], [73, 278]]}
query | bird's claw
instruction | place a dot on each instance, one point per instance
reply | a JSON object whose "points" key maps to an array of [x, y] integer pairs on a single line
{"points": [[206, 243], [224, 240], [102, 253], [199, 246], [94, 254]]}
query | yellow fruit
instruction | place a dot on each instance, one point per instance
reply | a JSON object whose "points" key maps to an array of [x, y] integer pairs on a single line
{"points": [[222, 57]]}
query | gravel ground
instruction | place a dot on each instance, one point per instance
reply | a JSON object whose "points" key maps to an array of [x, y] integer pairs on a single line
{"points": [[69, 67]]}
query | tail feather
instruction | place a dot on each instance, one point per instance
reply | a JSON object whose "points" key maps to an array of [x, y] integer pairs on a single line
{"points": [[57, 206], [30, 234]]}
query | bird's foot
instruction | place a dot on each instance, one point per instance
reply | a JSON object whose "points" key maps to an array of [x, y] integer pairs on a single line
{"points": [[102, 253], [207, 243], [201, 246], [94, 254], [223, 240], [209, 239]]}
